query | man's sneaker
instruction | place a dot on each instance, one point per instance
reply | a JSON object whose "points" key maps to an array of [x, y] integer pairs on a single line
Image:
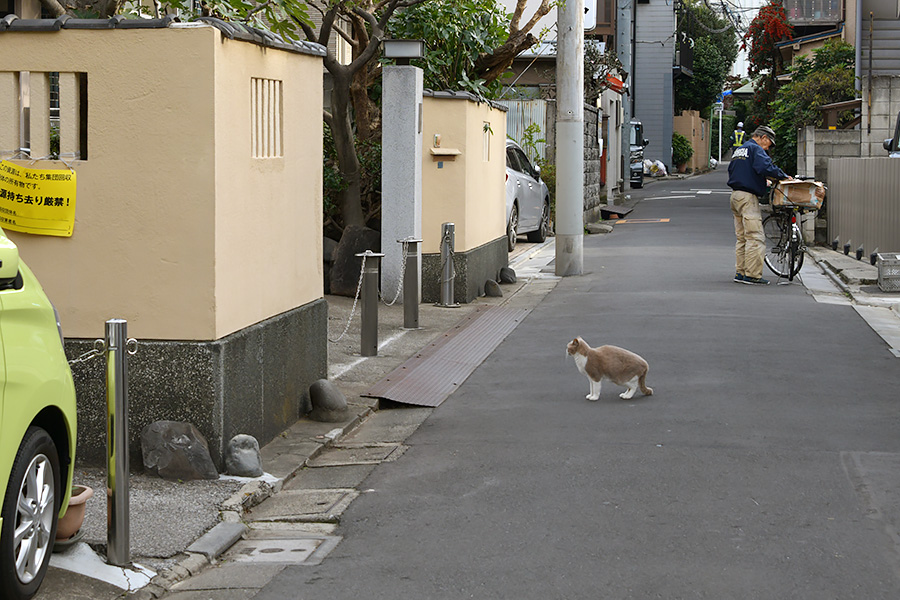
{"points": [[739, 277], [755, 280]]}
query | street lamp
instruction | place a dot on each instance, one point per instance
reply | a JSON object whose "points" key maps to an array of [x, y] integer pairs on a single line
{"points": [[404, 50]]}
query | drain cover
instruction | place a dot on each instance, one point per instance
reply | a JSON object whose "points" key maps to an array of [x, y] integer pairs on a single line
{"points": [[294, 551]]}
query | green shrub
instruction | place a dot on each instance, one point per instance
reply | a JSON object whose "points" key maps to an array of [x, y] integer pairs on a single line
{"points": [[682, 151]]}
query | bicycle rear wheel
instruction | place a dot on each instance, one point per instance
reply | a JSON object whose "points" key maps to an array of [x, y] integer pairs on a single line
{"points": [[796, 255], [777, 230]]}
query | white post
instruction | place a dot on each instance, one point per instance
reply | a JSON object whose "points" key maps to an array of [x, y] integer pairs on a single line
{"points": [[401, 171], [720, 108], [570, 139]]}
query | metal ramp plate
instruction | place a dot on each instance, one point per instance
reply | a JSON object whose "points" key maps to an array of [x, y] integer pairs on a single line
{"points": [[429, 377]]}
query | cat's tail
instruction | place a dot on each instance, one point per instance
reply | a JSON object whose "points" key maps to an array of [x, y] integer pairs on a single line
{"points": [[642, 381]]}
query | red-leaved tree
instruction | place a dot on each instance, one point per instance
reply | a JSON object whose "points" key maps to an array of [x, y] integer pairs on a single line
{"points": [[770, 27]]}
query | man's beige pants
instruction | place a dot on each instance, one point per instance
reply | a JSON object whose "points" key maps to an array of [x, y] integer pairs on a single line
{"points": [[751, 242]]}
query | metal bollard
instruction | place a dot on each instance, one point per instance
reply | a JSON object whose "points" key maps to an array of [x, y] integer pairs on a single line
{"points": [[411, 284], [117, 476], [369, 296], [448, 243]]}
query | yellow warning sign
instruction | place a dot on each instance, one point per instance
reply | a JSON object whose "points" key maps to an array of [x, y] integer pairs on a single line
{"points": [[38, 201]]}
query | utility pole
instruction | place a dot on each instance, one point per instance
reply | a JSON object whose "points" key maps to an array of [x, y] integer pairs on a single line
{"points": [[570, 139]]}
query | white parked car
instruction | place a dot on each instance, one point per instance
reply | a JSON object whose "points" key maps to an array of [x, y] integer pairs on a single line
{"points": [[527, 198]]}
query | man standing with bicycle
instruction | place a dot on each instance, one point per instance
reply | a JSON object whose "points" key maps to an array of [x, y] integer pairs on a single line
{"points": [[748, 171]]}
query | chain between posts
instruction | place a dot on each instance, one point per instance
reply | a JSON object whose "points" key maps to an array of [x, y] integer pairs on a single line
{"points": [[402, 273], [448, 239], [99, 349], [362, 270]]}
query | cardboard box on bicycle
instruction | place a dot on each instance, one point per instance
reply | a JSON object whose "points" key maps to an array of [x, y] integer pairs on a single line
{"points": [[806, 194]]}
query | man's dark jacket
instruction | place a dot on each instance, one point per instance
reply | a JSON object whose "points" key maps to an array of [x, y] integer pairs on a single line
{"points": [[749, 167]]}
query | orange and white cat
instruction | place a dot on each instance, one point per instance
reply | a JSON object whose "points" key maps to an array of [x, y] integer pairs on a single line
{"points": [[620, 366]]}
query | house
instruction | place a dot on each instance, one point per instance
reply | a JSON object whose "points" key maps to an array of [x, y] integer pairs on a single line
{"points": [[533, 85], [873, 28], [652, 80]]}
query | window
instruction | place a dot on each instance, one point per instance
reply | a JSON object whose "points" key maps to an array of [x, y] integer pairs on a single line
{"points": [[266, 138], [54, 104]]}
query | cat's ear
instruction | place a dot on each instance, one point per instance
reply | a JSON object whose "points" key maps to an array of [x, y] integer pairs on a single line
{"points": [[575, 341]]}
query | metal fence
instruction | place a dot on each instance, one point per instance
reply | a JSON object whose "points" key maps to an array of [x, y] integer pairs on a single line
{"points": [[521, 114], [864, 203]]}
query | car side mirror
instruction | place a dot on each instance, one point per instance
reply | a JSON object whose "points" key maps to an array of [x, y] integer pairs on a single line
{"points": [[889, 144], [537, 170], [646, 142], [9, 258]]}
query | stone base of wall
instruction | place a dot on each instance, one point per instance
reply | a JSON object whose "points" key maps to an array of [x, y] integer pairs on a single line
{"points": [[254, 381], [472, 268]]}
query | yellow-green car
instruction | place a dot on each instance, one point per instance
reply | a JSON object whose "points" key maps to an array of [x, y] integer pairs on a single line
{"points": [[37, 427]]}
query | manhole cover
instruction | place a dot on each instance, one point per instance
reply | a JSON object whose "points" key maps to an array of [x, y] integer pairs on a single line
{"points": [[294, 551], [366, 455]]}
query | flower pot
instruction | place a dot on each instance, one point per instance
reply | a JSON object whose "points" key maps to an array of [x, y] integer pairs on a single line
{"points": [[71, 522]]}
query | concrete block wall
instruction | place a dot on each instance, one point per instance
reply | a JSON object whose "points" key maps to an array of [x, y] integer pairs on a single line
{"points": [[592, 157], [816, 146], [885, 98]]}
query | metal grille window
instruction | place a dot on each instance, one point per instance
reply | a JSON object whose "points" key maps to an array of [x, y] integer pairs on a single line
{"points": [[266, 120], [52, 115]]}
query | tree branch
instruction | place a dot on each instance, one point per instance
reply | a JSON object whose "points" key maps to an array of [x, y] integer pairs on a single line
{"points": [[517, 15], [53, 7]]}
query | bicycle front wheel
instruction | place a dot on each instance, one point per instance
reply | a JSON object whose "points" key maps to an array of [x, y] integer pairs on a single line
{"points": [[778, 245]]}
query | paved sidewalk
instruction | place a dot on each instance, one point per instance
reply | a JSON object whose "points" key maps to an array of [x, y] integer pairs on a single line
{"points": [[179, 529]]}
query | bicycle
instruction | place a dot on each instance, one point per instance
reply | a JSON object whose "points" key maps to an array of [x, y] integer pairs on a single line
{"points": [[785, 247]]}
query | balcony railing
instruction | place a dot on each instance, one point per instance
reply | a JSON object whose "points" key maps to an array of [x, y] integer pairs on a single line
{"points": [[814, 12]]}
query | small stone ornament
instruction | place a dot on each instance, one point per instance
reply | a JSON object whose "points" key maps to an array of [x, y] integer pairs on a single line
{"points": [[176, 451], [242, 457], [329, 405]]}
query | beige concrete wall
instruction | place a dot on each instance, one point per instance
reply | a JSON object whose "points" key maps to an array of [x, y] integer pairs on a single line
{"points": [[170, 228], [470, 189], [269, 210]]}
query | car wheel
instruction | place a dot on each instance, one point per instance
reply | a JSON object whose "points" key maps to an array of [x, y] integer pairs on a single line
{"points": [[30, 512], [512, 228], [543, 229]]}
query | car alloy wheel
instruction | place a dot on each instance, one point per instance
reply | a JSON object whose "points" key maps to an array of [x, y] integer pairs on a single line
{"points": [[30, 512], [512, 228]]}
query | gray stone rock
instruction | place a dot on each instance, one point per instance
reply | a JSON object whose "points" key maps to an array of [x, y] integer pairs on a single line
{"points": [[174, 450], [507, 275], [242, 457], [329, 405], [344, 277], [598, 228], [492, 289], [329, 246]]}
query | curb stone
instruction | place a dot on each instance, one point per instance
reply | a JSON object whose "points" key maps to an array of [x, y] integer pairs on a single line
{"points": [[233, 509]]}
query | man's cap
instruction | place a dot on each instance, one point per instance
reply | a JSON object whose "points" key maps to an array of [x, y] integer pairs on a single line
{"points": [[741, 125], [766, 131]]}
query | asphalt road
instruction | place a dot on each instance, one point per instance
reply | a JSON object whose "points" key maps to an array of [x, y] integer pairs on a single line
{"points": [[764, 466]]}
